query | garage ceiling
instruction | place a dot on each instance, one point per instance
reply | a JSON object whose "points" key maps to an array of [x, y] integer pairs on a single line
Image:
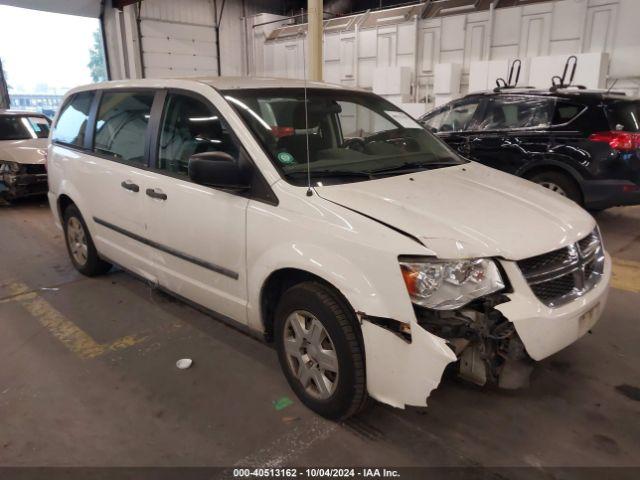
{"points": [[82, 8]]}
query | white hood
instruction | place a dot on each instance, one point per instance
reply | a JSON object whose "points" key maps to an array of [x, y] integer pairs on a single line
{"points": [[468, 211], [24, 151]]}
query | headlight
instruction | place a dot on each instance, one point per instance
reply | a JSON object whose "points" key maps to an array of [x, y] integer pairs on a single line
{"points": [[9, 167], [449, 284]]}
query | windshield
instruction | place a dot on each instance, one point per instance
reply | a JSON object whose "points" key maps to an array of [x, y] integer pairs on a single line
{"points": [[351, 136], [19, 127]]}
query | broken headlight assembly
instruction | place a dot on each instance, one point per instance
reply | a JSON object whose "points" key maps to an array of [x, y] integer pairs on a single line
{"points": [[9, 167], [449, 284]]}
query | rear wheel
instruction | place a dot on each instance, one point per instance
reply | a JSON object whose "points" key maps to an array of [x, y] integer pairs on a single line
{"points": [[319, 350], [82, 251], [559, 183]]}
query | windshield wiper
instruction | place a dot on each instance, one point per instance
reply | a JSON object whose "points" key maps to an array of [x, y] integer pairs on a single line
{"points": [[333, 173], [413, 167]]}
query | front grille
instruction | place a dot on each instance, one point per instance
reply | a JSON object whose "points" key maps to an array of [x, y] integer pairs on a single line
{"points": [[556, 288], [562, 275], [34, 169]]}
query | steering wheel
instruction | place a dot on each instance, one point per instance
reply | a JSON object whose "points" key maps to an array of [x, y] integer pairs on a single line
{"points": [[355, 143]]}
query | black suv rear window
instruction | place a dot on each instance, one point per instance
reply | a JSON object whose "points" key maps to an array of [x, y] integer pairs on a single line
{"points": [[624, 115]]}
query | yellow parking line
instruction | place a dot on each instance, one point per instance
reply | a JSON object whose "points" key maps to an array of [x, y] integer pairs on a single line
{"points": [[74, 338], [626, 275]]}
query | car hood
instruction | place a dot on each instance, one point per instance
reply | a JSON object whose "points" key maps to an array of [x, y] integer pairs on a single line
{"points": [[468, 211], [24, 151]]}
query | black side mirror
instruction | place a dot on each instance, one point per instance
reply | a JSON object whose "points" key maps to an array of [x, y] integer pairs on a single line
{"points": [[219, 169]]}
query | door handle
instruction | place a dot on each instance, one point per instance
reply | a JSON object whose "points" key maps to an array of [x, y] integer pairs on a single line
{"points": [[153, 193], [130, 186]]}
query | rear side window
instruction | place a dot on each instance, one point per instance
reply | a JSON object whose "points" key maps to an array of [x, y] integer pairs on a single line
{"points": [[121, 125], [624, 116], [566, 111], [509, 112], [72, 122]]}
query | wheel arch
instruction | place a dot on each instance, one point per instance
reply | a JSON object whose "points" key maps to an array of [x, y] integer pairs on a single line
{"points": [[281, 280], [551, 166]]}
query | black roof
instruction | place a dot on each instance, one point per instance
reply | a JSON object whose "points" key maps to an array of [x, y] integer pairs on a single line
{"points": [[583, 95]]}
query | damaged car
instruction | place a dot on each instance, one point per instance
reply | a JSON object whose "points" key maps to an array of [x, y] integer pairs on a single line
{"points": [[23, 147], [327, 221]]}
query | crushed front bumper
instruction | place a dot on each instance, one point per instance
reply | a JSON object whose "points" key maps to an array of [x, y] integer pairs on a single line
{"points": [[24, 184], [546, 330]]}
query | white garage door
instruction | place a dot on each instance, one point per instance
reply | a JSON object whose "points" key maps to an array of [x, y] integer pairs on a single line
{"points": [[177, 49]]}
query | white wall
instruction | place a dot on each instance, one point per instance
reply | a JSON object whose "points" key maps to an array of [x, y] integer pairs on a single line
{"points": [[554, 28]]}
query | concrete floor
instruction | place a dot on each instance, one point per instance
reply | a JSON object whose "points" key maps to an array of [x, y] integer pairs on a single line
{"points": [[88, 377]]}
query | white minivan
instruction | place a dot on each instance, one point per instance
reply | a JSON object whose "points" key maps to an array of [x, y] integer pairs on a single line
{"points": [[326, 220]]}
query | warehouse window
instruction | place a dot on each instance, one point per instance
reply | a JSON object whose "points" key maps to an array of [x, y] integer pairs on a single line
{"points": [[121, 125], [72, 123], [190, 126]]}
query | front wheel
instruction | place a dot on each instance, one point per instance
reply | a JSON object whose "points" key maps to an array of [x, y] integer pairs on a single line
{"points": [[319, 350], [82, 251]]}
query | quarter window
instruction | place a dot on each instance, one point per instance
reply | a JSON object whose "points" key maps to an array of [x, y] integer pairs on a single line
{"points": [[72, 122], [508, 112], [191, 126], [565, 112], [121, 125]]}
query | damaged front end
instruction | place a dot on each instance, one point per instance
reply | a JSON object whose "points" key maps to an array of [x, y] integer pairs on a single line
{"points": [[22, 180], [486, 343]]}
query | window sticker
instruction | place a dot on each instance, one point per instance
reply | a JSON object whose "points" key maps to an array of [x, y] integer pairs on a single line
{"points": [[286, 158]]}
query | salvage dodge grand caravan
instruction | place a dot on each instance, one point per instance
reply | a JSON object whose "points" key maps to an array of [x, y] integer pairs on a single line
{"points": [[330, 222]]}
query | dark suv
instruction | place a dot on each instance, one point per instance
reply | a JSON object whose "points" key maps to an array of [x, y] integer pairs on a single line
{"points": [[583, 144]]}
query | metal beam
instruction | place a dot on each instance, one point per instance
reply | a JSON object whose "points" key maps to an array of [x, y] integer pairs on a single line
{"points": [[314, 36]]}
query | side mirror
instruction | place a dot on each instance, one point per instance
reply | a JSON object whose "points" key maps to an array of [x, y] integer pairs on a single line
{"points": [[219, 169]]}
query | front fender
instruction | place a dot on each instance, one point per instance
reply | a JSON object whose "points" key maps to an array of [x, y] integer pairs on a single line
{"points": [[359, 257]]}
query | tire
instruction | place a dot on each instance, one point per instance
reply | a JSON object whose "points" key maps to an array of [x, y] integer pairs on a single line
{"points": [[559, 183], [345, 392], [89, 263]]}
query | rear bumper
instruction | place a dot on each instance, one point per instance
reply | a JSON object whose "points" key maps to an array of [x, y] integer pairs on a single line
{"points": [[610, 193], [545, 330], [24, 184]]}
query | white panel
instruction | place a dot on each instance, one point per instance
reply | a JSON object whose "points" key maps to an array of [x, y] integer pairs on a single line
{"points": [[452, 33], [590, 72], [475, 42], [506, 27], [366, 67], [347, 57], [447, 78], [506, 51], [83, 8], [535, 35], [567, 20], [386, 50], [331, 72], [406, 38], [184, 11], [566, 47], [454, 56], [430, 48], [331, 47], [291, 60], [599, 24], [368, 44]]}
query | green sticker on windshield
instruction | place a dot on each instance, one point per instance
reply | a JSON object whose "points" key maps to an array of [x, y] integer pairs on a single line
{"points": [[286, 158]]}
